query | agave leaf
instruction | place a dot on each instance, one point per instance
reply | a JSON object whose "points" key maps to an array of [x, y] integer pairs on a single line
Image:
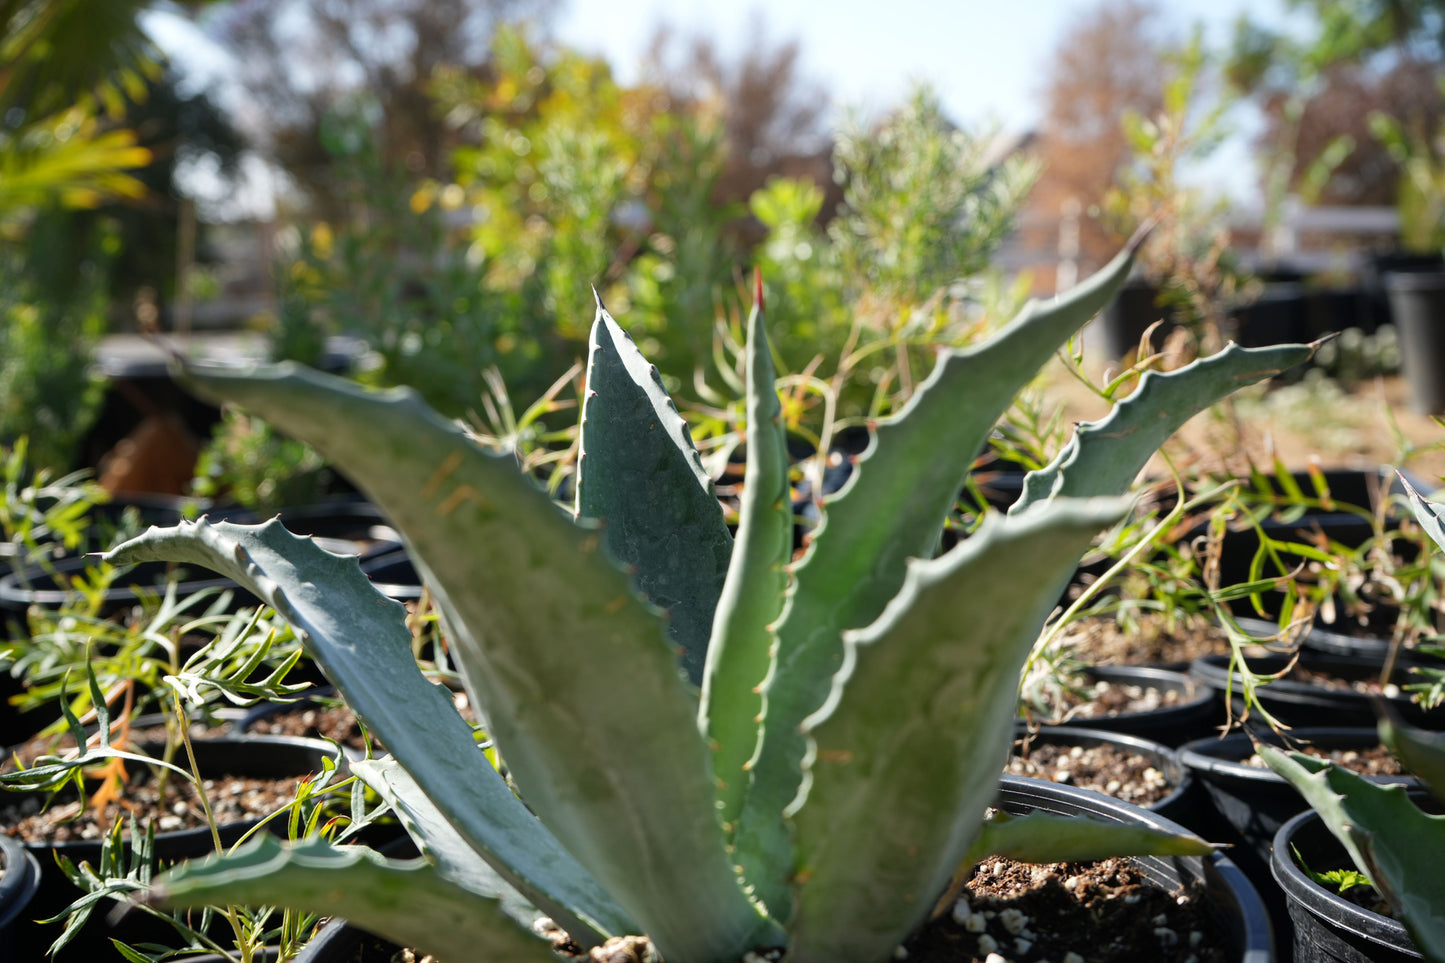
{"points": [[1103, 456], [905, 756], [455, 861], [407, 902], [579, 685], [633, 441], [1431, 515], [1042, 837], [1390, 840], [360, 640], [752, 597], [882, 517], [1421, 752]]}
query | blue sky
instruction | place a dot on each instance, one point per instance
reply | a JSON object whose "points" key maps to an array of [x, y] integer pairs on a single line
{"points": [[987, 59]]}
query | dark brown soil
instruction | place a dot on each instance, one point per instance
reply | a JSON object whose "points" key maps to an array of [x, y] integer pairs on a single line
{"points": [[1374, 761], [1103, 768], [1103, 912], [1369, 898], [334, 721], [1327, 681], [1096, 700], [1154, 640], [41, 745], [232, 798], [316, 722]]}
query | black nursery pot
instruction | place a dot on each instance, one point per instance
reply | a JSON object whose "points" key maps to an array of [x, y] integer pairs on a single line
{"points": [[263, 757], [340, 942], [253, 756], [1189, 718], [348, 526], [1253, 799], [342, 526], [1327, 927], [264, 711], [1362, 489], [49, 591], [18, 883], [1179, 805], [1370, 642], [1233, 902], [1250, 803], [1417, 304], [1277, 316], [1376, 267], [40, 588], [394, 575], [1124, 320], [1328, 310], [1300, 703]]}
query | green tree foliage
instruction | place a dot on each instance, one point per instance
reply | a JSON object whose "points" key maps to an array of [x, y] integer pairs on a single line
{"points": [[1319, 83], [68, 68], [1421, 190], [414, 289], [577, 181], [924, 203]]}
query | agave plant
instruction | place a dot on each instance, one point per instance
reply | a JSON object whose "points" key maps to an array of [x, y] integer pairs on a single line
{"points": [[718, 746]]}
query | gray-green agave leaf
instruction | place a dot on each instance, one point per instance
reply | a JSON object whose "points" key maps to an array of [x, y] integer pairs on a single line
{"points": [[408, 902]]}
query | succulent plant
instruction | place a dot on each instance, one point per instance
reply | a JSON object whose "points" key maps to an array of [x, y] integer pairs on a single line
{"points": [[718, 746]]}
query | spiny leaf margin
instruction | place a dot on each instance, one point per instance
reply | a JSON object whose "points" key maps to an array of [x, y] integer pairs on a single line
{"points": [[407, 902], [360, 640], [916, 729], [892, 508], [675, 540], [579, 686]]}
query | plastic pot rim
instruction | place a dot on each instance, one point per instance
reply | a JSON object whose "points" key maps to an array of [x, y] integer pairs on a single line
{"points": [[1415, 281], [1180, 776], [320, 747], [1372, 927], [19, 881], [1197, 757], [1256, 934]]}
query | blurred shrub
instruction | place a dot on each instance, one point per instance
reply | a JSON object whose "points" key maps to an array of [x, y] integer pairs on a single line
{"points": [[257, 467], [52, 315], [576, 182], [569, 182], [397, 277], [905, 264]]}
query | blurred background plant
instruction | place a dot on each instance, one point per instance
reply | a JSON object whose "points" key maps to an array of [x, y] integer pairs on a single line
{"points": [[1324, 84], [62, 147], [557, 179], [92, 128], [52, 314], [1421, 156], [251, 464], [41, 515], [1187, 260]]}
